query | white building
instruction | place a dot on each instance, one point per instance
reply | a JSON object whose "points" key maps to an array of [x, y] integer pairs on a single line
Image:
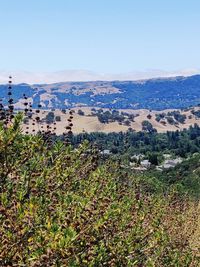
{"points": [[145, 163]]}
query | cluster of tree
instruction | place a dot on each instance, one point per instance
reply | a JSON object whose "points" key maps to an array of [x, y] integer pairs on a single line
{"points": [[177, 116], [196, 113], [80, 112], [148, 127], [172, 117], [181, 143], [160, 116], [112, 116]]}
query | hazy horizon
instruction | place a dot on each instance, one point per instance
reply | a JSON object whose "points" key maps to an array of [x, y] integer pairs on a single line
{"points": [[86, 75]]}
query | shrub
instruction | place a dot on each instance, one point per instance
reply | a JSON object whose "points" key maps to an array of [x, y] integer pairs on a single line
{"points": [[57, 118], [61, 207], [80, 112]]}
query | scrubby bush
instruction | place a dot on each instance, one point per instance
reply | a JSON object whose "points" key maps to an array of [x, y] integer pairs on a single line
{"points": [[61, 207], [80, 112]]}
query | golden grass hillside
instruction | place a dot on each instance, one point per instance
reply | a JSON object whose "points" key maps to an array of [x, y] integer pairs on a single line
{"points": [[88, 123]]}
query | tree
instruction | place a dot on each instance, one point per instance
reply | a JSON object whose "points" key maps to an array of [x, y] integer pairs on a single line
{"points": [[127, 123], [148, 127], [50, 117], [153, 158], [80, 112], [63, 111], [57, 118]]}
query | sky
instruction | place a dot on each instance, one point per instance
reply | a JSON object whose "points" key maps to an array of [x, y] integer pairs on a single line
{"points": [[102, 36]]}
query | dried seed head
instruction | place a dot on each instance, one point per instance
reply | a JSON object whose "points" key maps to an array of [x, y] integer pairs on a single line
{"points": [[10, 101]]}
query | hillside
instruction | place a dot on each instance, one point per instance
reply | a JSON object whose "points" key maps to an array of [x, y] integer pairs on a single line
{"points": [[155, 94], [104, 120], [64, 207]]}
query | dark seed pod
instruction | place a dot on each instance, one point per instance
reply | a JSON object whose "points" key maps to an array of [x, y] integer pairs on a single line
{"points": [[70, 132], [11, 107], [10, 101]]}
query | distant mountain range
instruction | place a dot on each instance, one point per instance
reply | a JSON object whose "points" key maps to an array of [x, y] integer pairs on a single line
{"points": [[87, 75], [156, 94]]}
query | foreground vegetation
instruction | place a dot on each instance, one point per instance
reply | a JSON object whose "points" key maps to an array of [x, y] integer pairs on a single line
{"points": [[60, 206]]}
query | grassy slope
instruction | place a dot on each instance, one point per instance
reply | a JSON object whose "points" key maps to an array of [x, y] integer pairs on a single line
{"points": [[92, 124], [60, 208]]}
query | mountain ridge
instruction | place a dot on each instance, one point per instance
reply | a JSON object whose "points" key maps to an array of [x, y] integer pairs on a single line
{"points": [[156, 93]]}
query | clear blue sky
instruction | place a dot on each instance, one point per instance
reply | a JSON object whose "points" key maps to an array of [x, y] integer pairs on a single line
{"points": [[100, 35]]}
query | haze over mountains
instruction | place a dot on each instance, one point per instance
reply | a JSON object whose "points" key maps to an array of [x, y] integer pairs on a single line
{"points": [[86, 75]]}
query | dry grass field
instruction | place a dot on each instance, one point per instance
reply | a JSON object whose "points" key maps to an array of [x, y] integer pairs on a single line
{"points": [[89, 123]]}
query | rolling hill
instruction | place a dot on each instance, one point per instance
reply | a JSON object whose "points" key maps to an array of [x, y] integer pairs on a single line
{"points": [[155, 94]]}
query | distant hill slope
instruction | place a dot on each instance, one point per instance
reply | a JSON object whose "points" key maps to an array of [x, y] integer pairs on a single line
{"points": [[156, 94], [92, 120]]}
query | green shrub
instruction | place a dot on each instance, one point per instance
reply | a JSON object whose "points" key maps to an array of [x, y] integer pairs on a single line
{"points": [[61, 207]]}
